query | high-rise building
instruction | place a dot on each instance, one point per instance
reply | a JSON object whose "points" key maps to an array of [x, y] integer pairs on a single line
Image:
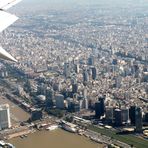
{"points": [[102, 105], [138, 121], [84, 92], [73, 106], [146, 117], [59, 86], [69, 104], [125, 115], [67, 69], [74, 88], [132, 114], [49, 97], [5, 117], [91, 60], [86, 103], [109, 115], [85, 76], [59, 101], [94, 73], [76, 68], [118, 117], [41, 89], [81, 104], [98, 109], [118, 81]]}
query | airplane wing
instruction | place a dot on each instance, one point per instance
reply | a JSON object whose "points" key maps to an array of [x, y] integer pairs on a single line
{"points": [[6, 19]]}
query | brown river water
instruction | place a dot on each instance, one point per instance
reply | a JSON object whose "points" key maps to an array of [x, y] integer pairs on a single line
{"points": [[54, 139]]}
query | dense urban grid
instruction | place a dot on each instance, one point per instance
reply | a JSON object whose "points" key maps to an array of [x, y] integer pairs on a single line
{"points": [[82, 63]]}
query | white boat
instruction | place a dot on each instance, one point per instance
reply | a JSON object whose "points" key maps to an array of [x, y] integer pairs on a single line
{"points": [[52, 127], [68, 128]]}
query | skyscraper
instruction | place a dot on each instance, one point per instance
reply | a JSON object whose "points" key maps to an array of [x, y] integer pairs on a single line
{"points": [[49, 97], [98, 109], [4, 117], [67, 69], [109, 114], [94, 73], [76, 68], [102, 105], [146, 117], [132, 114], [59, 101], [74, 88], [86, 103], [138, 116], [118, 117], [125, 115], [85, 76], [91, 60]]}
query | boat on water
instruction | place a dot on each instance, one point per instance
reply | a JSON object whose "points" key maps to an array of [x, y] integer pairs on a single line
{"points": [[25, 136], [68, 126], [52, 127], [22, 136]]}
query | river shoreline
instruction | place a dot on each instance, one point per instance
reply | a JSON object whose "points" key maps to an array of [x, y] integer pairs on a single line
{"points": [[56, 138]]}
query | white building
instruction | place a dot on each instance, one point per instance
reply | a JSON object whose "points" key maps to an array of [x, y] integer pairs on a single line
{"points": [[4, 116]]}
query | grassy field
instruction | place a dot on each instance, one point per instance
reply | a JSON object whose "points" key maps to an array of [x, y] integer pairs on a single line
{"points": [[129, 139]]}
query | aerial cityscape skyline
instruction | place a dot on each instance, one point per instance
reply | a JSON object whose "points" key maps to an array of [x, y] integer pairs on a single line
{"points": [[82, 67]]}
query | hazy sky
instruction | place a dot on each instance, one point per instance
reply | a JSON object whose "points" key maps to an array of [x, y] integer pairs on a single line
{"points": [[88, 1], [30, 5], [85, 2]]}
